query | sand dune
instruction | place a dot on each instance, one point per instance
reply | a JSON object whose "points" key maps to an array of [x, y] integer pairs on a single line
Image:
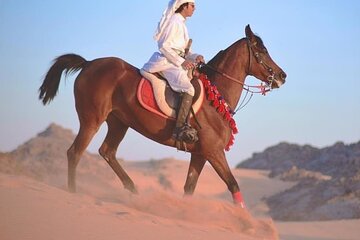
{"points": [[102, 209], [34, 210]]}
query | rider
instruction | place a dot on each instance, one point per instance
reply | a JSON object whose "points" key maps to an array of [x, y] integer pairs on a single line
{"points": [[174, 59]]}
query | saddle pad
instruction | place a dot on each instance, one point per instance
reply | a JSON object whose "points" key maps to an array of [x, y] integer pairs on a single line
{"points": [[146, 97]]}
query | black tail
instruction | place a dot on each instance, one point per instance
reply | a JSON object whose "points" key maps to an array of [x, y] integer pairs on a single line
{"points": [[71, 63]]}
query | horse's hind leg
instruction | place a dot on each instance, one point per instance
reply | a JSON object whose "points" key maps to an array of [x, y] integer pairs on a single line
{"points": [[115, 134], [82, 140], [197, 163]]}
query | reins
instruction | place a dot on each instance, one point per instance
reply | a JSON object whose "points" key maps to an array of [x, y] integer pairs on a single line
{"points": [[246, 87]]}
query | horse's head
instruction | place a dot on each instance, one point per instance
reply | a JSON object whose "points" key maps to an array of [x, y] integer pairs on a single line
{"points": [[261, 65]]}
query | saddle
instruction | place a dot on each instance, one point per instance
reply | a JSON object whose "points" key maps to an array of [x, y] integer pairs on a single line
{"points": [[155, 94]]}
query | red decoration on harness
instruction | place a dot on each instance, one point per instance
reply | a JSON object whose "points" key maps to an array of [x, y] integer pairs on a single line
{"points": [[263, 90], [221, 107]]}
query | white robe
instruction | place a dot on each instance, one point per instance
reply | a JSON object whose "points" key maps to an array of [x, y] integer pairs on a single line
{"points": [[172, 44]]}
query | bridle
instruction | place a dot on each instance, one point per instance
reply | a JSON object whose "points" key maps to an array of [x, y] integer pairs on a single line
{"points": [[259, 60], [263, 89]]}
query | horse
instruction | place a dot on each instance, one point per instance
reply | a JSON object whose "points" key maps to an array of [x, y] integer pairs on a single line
{"points": [[105, 91]]}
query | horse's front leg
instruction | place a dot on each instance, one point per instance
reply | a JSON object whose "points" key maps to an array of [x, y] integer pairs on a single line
{"points": [[219, 163], [197, 163]]}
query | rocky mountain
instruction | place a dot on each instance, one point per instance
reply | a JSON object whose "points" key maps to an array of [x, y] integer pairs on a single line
{"points": [[296, 174], [43, 157], [328, 180], [337, 160], [314, 200]]}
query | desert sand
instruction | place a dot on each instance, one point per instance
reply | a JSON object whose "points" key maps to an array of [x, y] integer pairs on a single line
{"points": [[101, 209]]}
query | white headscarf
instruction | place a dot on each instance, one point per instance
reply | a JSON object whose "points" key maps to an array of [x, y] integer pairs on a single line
{"points": [[167, 14]]}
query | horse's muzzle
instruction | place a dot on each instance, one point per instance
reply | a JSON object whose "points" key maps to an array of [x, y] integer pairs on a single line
{"points": [[279, 80], [283, 76]]}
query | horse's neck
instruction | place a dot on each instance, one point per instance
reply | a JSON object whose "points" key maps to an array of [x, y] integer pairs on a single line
{"points": [[233, 63]]}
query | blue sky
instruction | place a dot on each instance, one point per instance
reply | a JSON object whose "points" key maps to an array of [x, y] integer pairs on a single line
{"points": [[315, 41]]}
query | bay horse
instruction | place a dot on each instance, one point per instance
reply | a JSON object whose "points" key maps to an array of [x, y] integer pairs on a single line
{"points": [[105, 91]]}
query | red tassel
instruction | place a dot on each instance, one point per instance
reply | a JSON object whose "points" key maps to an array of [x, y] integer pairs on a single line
{"points": [[227, 116], [232, 138], [230, 143], [221, 107], [235, 130], [232, 123], [211, 96], [216, 103]]}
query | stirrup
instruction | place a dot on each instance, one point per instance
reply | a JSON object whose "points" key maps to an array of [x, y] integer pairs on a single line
{"points": [[185, 134]]}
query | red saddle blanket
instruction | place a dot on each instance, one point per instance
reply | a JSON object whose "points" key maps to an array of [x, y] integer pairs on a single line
{"points": [[146, 97]]}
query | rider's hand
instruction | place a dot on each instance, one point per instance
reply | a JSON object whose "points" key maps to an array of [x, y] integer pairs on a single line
{"points": [[200, 59], [187, 65]]}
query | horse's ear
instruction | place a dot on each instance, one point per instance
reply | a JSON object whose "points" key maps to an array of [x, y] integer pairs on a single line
{"points": [[249, 34]]}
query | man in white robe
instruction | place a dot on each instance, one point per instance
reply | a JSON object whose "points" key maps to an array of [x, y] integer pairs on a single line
{"points": [[173, 61]]}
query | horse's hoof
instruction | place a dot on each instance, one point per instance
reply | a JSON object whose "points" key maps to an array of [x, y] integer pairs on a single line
{"points": [[238, 199]]}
